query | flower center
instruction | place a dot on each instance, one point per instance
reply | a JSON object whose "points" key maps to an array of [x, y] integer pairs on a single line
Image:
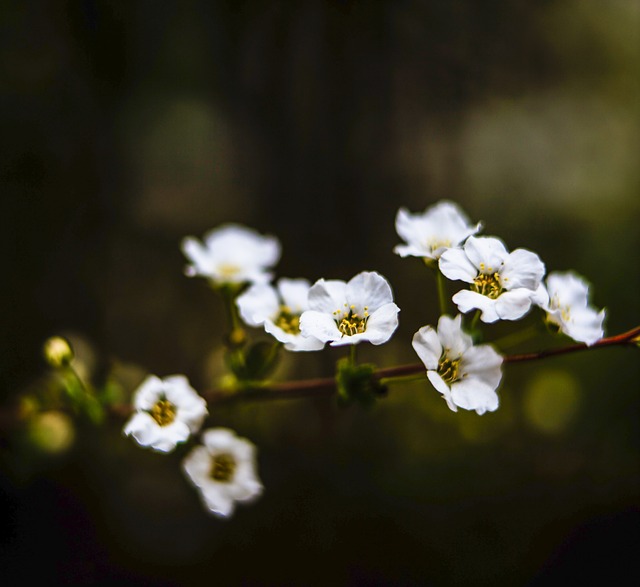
{"points": [[223, 467], [487, 285], [163, 412], [228, 270], [288, 321], [350, 322], [565, 311], [435, 244], [449, 369]]}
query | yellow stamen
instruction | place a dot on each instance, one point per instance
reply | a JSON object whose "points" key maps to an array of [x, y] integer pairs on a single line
{"points": [[163, 412], [223, 467]]}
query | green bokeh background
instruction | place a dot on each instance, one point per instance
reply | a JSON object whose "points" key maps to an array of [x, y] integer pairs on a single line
{"points": [[129, 125]]}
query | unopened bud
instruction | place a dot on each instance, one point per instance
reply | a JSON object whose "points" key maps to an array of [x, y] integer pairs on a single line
{"points": [[52, 432], [57, 351]]}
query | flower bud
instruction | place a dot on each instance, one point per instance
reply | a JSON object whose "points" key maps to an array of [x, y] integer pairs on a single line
{"points": [[58, 352]]}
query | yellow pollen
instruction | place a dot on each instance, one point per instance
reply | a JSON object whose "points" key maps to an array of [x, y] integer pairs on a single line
{"points": [[163, 412], [436, 244], [487, 284], [223, 467], [352, 323], [288, 321], [448, 369], [228, 270]]}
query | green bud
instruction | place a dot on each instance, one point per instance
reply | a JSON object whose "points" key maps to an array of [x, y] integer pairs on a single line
{"points": [[58, 352], [357, 384], [52, 432]]}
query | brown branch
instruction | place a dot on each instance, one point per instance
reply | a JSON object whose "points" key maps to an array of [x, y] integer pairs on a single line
{"points": [[327, 385], [10, 416]]}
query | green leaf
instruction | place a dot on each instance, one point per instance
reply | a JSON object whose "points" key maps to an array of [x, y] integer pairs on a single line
{"points": [[256, 364], [357, 384]]}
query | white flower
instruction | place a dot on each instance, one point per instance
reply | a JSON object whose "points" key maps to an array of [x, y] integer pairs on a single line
{"points": [[430, 233], [566, 301], [502, 283], [223, 470], [348, 313], [467, 376], [278, 309], [232, 254], [168, 411]]}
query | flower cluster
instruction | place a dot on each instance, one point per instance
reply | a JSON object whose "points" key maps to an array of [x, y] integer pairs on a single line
{"points": [[503, 285], [302, 316]]}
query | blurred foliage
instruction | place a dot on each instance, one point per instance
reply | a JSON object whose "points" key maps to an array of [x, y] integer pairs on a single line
{"points": [[128, 125]]}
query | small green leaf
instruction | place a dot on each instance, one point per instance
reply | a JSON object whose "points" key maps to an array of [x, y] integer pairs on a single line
{"points": [[256, 364], [357, 384]]}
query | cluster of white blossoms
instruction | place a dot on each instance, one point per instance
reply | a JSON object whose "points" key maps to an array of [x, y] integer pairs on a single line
{"points": [[167, 412], [502, 285]]}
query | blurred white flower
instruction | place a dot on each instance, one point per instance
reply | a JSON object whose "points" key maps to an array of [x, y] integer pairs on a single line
{"points": [[566, 302], [430, 233], [466, 375], [503, 284], [278, 309], [348, 313], [232, 254], [223, 470], [168, 411]]}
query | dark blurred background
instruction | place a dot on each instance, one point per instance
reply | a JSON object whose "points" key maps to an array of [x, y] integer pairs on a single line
{"points": [[126, 126]]}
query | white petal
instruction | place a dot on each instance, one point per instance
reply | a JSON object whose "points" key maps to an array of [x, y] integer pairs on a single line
{"points": [[568, 289], [407, 227], [484, 363], [473, 394], [486, 253], [455, 265], [218, 439], [382, 324], [197, 465], [197, 254], [294, 293], [541, 297], [522, 268], [585, 325], [513, 305], [257, 304], [319, 325], [412, 251], [169, 436], [327, 295], [438, 382], [217, 501], [454, 341], [427, 346], [304, 343], [468, 300], [146, 396], [368, 289], [143, 428]]}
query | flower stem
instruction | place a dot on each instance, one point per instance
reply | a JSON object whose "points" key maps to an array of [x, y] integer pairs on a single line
{"points": [[474, 320], [352, 355], [237, 336], [442, 291]]}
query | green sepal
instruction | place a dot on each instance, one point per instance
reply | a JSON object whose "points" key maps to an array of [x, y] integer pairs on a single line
{"points": [[357, 384], [256, 363]]}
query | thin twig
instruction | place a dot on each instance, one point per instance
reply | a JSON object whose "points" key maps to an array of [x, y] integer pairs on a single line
{"points": [[327, 385]]}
